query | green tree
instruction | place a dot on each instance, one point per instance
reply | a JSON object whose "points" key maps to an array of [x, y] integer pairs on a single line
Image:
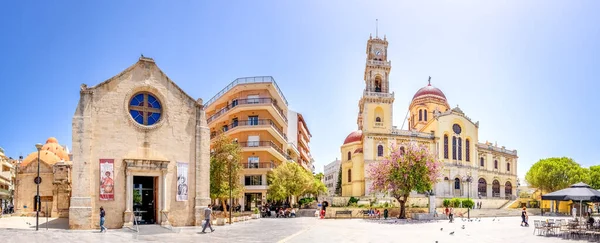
{"points": [[553, 174], [594, 179], [404, 171], [338, 185], [316, 186], [288, 179], [225, 155]]}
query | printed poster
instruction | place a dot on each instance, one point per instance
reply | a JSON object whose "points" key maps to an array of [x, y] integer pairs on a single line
{"points": [[107, 179], [182, 181]]}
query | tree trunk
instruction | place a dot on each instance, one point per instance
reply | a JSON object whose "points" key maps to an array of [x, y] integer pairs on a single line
{"points": [[225, 211], [402, 201]]}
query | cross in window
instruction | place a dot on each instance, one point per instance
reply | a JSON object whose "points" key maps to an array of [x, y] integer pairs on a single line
{"points": [[145, 109]]}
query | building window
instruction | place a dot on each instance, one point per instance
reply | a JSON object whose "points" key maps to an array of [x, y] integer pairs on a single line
{"points": [[253, 180], [453, 147], [507, 166], [253, 162], [459, 148], [456, 183], [377, 119], [445, 146], [481, 162], [425, 115], [349, 155], [349, 175], [495, 164], [380, 150], [145, 109], [252, 120], [467, 150], [402, 151], [420, 115]]}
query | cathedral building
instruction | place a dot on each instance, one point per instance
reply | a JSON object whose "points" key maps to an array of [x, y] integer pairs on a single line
{"points": [[470, 168], [141, 148]]}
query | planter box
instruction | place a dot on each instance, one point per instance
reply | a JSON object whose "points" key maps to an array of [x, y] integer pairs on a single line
{"points": [[236, 219], [220, 221]]}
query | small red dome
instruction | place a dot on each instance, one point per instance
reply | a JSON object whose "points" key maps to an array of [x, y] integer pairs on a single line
{"points": [[429, 90], [354, 137]]}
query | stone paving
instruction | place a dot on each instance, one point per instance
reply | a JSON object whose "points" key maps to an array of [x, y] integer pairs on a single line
{"points": [[303, 230]]}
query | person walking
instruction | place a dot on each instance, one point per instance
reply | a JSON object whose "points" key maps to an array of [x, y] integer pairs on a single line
{"points": [[524, 218], [574, 212], [451, 215], [207, 214], [102, 214]]}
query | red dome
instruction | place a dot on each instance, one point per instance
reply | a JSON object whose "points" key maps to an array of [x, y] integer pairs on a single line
{"points": [[354, 137], [429, 90]]}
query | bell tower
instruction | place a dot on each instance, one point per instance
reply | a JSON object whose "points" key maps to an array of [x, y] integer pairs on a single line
{"points": [[375, 106]]}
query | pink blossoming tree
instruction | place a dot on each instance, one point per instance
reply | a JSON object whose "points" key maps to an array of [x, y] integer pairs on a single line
{"points": [[409, 167]]}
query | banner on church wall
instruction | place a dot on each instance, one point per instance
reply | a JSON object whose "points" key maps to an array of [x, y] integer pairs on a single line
{"points": [[182, 181], [107, 179]]}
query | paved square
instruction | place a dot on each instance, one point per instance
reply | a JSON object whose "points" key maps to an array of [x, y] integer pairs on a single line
{"points": [[300, 230]]}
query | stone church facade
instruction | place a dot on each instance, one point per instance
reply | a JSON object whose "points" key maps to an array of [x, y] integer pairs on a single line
{"points": [[140, 151]]}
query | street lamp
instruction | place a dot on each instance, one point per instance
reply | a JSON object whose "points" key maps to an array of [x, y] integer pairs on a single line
{"points": [[230, 158], [38, 180], [468, 179]]}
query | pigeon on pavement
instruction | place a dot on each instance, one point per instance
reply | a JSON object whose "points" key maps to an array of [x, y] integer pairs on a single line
{"points": [[441, 229], [452, 233]]}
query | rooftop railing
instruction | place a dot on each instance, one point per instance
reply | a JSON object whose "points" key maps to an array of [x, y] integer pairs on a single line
{"points": [[247, 80]]}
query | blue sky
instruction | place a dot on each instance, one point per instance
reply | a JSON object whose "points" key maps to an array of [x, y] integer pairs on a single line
{"points": [[527, 70]]}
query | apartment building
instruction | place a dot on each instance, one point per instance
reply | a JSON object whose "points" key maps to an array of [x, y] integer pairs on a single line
{"points": [[254, 112], [7, 180], [299, 135], [330, 176]]}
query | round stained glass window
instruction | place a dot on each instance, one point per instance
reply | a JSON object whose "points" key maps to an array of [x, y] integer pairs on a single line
{"points": [[145, 109]]}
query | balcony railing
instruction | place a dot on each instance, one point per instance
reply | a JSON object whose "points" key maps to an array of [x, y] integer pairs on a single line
{"points": [[259, 165], [260, 122], [254, 144], [252, 101], [247, 80], [378, 94], [378, 124]]}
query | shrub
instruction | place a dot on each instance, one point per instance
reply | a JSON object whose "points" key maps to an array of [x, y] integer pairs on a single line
{"points": [[467, 203], [306, 200], [386, 205], [455, 202], [352, 200], [446, 202], [255, 210]]}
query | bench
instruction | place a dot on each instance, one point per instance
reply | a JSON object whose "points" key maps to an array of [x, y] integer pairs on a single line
{"points": [[343, 212], [365, 213]]}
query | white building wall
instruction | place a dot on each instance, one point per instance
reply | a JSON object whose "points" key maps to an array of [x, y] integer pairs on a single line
{"points": [[331, 173], [292, 129]]}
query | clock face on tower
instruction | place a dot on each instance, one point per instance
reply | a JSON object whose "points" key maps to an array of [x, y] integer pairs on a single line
{"points": [[378, 52]]}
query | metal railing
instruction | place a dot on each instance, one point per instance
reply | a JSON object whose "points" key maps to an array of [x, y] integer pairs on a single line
{"points": [[247, 80], [259, 165], [260, 122], [253, 144], [251, 101]]}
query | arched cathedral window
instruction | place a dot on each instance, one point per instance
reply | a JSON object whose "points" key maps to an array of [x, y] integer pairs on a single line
{"points": [[425, 115], [349, 155], [349, 175], [467, 150], [420, 115], [459, 148], [380, 150], [453, 147], [445, 146]]}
